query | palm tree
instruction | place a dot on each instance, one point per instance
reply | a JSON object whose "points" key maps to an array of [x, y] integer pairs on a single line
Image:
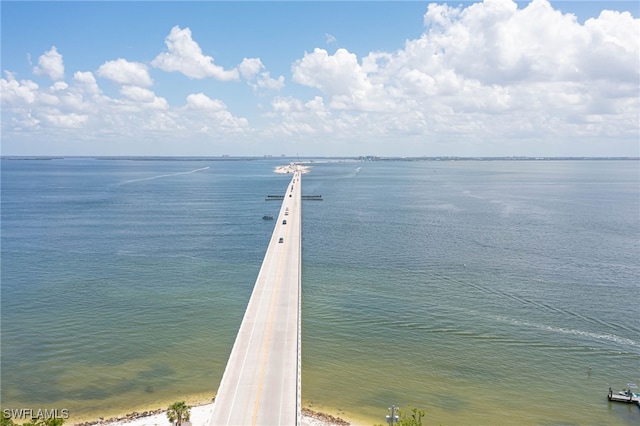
{"points": [[178, 412]]}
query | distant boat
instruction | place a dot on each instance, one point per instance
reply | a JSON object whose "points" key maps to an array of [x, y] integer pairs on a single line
{"points": [[267, 217]]}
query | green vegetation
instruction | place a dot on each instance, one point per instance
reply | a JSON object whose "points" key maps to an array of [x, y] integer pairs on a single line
{"points": [[178, 412], [6, 421], [414, 419]]}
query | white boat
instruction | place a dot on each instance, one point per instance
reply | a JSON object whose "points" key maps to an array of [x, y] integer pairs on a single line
{"points": [[626, 395]]}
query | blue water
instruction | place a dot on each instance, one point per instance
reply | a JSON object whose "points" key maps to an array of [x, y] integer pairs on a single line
{"points": [[485, 292]]}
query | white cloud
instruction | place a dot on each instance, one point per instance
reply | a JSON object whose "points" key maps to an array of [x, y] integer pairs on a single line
{"points": [[337, 74], [227, 122], [48, 99], [251, 70], [87, 81], [17, 93], [286, 104], [82, 106], [50, 64], [72, 120], [200, 101], [310, 119], [488, 69], [58, 86], [75, 100], [211, 115], [125, 72], [25, 122], [185, 55], [329, 38], [144, 97], [497, 43], [137, 94], [613, 48], [342, 78], [489, 74], [265, 81], [250, 67]]}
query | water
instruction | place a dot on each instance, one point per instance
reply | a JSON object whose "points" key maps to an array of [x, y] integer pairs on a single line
{"points": [[488, 292]]}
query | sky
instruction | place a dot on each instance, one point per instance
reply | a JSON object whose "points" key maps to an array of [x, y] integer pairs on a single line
{"points": [[310, 78]]}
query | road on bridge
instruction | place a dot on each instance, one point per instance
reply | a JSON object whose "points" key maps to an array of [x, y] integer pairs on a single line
{"points": [[261, 382]]}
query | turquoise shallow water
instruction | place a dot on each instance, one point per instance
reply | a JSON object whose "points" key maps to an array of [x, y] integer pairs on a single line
{"points": [[489, 292]]}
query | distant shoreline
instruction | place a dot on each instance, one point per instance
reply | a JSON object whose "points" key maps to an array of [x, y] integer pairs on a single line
{"points": [[307, 159]]}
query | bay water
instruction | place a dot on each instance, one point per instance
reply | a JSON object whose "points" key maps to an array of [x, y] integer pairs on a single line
{"points": [[484, 292]]}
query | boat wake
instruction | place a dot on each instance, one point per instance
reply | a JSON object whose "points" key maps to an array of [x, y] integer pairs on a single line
{"points": [[586, 334], [543, 306], [162, 176]]}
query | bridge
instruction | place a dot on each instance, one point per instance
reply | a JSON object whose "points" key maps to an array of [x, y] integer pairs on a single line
{"points": [[261, 382]]}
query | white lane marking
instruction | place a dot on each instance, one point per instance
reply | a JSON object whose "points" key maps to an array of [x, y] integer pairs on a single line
{"points": [[246, 353]]}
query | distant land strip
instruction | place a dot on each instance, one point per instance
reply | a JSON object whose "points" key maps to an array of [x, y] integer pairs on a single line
{"points": [[312, 158]]}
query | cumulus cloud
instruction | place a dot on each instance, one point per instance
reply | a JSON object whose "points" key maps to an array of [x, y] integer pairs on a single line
{"points": [[200, 101], [343, 78], [215, 116], [490, 68], [87, 81], [494, 42], [144, 96], [252, 70], [298, 118], [137, 93], [286, 105], [82, 105], [339, 73], [184, 55], [59, 85], [50, 65], [25, 122], [17, 93], [72, 120], [481, 72], [613, 47], [250, 67], [125, 72], [264, 81]]}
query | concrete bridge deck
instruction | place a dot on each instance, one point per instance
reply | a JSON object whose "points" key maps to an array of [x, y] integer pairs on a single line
{"points": [[261, 382]]}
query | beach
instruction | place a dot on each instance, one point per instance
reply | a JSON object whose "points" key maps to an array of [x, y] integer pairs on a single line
{"points": [[200, 415]]}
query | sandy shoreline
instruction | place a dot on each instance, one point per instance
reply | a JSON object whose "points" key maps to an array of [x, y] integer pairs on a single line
{"points": [[200, 415]]}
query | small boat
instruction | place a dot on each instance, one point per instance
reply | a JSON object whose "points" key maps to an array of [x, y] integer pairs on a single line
{"points": [[626, 395], [267, 217]]}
